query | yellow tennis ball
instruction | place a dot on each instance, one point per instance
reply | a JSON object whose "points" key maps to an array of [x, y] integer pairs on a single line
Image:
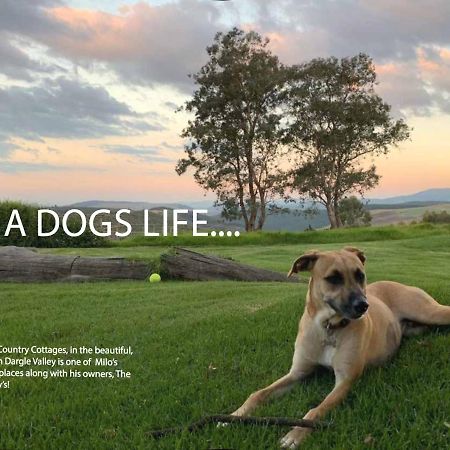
{"points": [[155, 278]]}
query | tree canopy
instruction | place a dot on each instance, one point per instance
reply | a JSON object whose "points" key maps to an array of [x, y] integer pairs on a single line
{"points": [[338, 121]]}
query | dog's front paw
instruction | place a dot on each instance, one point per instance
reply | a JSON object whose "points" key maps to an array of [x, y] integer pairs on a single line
{"points": [[240, 412], [237, 413], [294, 437]]}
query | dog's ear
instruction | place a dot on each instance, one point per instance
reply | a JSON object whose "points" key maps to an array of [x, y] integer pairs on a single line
{"points": [[357, 252], [304, 263]]}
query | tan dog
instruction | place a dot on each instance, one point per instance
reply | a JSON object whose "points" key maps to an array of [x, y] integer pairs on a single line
{"points": [[346, 326]]}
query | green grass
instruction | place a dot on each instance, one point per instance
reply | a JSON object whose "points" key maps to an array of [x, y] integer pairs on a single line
{"points": [[274, 238], [246, 331]]}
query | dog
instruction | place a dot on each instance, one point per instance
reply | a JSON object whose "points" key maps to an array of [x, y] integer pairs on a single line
{"points": [[346, 326]]}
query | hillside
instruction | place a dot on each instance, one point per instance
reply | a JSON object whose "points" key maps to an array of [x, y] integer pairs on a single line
{"points": [[116, 205], [386, 216], [430, 195]]}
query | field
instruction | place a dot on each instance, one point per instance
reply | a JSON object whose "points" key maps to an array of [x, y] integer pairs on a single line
{"points": [[389, 215], [201, 348]]}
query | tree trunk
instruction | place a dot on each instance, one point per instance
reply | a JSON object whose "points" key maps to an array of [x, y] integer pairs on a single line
{"points": [[339, 220], [252, 219], [262, 218], [332, 216], [246, 223], [337, 214], [262, 212], [251, 185], [241, 194], [244, 211]]}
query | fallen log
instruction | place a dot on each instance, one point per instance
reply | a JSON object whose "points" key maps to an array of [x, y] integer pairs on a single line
{"points": [[188, 265], [25, 265]]}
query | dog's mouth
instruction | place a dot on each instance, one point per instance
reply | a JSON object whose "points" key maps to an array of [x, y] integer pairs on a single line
{"points": [[347, 312], [332, 304], [356, 316]]}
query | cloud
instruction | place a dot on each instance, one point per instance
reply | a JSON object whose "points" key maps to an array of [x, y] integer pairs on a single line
{"points": [[391, 32], [29, 17], [21, 20], [401, 85], [66, 108], [142, 153], [434, 66], [383, 28], [171, 147], [171, 105], [8, 166], [6, 147], [54, 150], [16, 64], [147, 44], [144, 44]]}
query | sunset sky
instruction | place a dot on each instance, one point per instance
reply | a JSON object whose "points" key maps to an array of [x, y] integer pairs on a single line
{"points": [[88, 89]]}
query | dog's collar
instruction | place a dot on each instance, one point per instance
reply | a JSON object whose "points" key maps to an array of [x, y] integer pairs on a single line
{"points": [[336, 326]]}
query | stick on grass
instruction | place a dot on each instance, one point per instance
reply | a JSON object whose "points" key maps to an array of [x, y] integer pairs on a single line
{"points": [[261, 421]]}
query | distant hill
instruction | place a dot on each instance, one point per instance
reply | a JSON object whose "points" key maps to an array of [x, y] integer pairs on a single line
{"points": [[430, 195], [293, 221], [134, 206], [406, 205], [290, 221], [404, 208]]}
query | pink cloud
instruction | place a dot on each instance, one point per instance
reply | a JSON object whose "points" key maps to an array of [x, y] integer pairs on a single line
{"points": [[143, 43], [434, 66], [444, 53], [388, 69], [94, 34]]}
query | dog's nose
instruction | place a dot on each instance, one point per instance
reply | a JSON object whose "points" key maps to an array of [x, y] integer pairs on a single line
{"points": [[361, 307]]}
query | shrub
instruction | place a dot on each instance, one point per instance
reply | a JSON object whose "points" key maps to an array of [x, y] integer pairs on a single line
{"points": [[29, 215], [436, 217]]}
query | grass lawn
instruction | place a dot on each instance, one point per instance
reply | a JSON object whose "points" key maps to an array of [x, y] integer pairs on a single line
{"points": [[201, 348]]}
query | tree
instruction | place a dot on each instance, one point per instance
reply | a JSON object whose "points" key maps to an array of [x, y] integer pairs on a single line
{"points": [[353, 213], [235, 138], [338, 122]]}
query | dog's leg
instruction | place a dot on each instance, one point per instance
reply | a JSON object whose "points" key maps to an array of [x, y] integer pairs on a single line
{"points": [[336, 396], [277, 388], [424, 309], [301, 368]]}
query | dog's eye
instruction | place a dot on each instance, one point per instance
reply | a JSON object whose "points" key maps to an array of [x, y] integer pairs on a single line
{"points": [[360, 276], [335, 279]]}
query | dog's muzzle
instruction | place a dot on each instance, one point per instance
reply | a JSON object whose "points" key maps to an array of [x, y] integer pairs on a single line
{"points": [[355, 307], [358, 305]]}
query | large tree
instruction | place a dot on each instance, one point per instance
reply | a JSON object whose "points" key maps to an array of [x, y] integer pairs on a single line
{"points": [[338, 124], [235, 135]]}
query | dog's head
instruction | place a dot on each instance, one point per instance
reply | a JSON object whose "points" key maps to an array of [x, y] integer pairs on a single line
{"points": [[337, 279]]}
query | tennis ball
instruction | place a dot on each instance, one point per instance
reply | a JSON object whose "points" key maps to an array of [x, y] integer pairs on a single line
{"points": [[154, 278]]}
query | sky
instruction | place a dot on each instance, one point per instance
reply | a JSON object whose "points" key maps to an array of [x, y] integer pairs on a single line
{"points": [[89, 89]]}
